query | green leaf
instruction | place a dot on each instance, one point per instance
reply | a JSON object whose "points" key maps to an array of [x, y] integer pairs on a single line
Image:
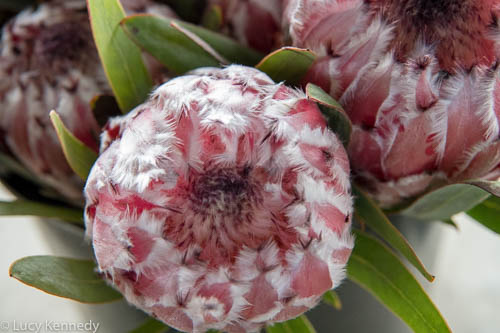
{"points": [[333, 299], [178, 51], [490, 186], [212, 18], [374, 267], [337, 119], [488, 213], [79, 156], [288, 64], [151, 325], [227, 47], [25, 207], [104, 107], [171, 47], [445, 202], [121, 58], [368, 212], [298, 325], [70, 278]]}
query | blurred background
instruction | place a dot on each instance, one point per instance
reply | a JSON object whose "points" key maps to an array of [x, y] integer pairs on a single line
{"points": [[466, 263]]}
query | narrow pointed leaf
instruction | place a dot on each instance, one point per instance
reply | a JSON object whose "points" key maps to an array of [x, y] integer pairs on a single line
{"points": [[298, 325], [375, 268], [488, 213], [231, 50], [318, 95], [288, 64], [337, 119], [121, 58], [171, 47], [70, 278], [80, 157], [179, 52], [25, 207], [445, 202], [490, 186], [200, 42], [333, 299], [151, 325], [368, 212]]}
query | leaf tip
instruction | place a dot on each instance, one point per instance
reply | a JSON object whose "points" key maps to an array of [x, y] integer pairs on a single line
{"points": [[53, 114]]}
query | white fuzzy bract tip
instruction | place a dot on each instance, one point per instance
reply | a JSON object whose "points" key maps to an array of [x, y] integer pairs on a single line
{"points": [[222, 202]]}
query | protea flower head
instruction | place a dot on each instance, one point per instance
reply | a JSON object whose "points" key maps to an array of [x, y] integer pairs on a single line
{"points": [[254, 23], [419, 79], [222, 202], [49, 61]]}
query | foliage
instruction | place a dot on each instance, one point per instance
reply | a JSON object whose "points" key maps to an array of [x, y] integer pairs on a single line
{"points": [[182, 46]]}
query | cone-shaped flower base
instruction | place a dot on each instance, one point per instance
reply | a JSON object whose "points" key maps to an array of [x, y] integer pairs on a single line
{"points": [[223, 202]]}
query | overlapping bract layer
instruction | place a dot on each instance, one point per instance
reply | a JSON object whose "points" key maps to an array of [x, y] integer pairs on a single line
{"points": [[49, 61], [222, 202], [418, 79]]}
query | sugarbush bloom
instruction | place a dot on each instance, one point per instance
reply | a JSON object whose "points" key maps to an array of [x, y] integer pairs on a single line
{"points": [[222, 202], [420, 82], [48, 61]]}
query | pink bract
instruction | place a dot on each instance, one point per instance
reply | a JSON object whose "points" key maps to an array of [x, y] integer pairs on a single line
{"points": [[222, 202], [48, 61], [420, 82]]}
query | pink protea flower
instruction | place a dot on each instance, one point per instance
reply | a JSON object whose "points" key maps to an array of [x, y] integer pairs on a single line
{"points": [[48, 61], [419, 80], [222, 202], [255, 23]]}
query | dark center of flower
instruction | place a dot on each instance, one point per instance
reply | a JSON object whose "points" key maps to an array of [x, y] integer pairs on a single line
{"points": [[228, 208], [458, 29], [223, 192], [65, 42]]}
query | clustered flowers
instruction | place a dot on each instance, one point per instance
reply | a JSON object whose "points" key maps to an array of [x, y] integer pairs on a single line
{"points": [[224, 200]]}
